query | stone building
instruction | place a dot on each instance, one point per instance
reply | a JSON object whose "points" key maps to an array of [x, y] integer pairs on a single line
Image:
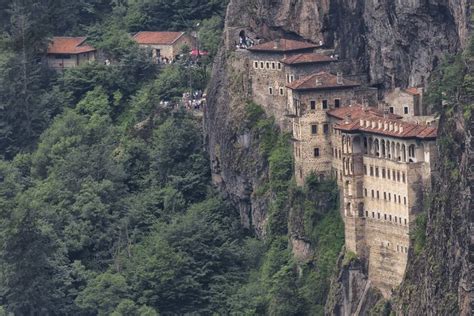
{"points": [[383, 165], [406, 102], [268, 74], [165, 46], [69, 52], [309, 100]]}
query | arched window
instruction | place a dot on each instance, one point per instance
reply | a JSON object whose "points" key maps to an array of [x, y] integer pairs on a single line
{"points": [[404, 154], [376, 148]]}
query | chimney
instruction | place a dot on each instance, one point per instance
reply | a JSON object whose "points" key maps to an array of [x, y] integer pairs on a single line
{"points": [[348, 119], [276, 44], [339, 78]]}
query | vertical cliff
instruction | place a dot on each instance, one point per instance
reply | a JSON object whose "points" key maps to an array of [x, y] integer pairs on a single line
{"points": [[390, 43]]}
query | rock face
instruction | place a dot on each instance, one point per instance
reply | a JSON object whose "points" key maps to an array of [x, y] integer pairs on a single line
{"points": [[390, 43]]}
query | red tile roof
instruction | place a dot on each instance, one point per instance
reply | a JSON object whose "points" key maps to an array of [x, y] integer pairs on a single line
{"points": [[307, 58], [69, 45], [412, 91], [157, 38], [390, 125], [321, 80], [283, 45]]}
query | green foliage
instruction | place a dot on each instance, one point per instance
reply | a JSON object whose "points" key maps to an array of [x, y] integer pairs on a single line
{"points": [[210, 33], [419, 233]]}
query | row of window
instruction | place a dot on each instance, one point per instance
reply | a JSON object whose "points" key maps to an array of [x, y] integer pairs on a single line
{"points": [[387, 196], [270, 65], [400, 248], [385, 174], [324, 104], [277, 91], [387, 217], [314, 129]]}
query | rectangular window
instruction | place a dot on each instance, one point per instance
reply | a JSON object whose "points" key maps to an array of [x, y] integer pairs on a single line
{"points": [[390, 109], [365, 169], [399, 200], [279, 66], [316, 152], [378, 195], [371, 171], [326, 128], [377, 172], [405, 200], [398, 176], [313, 105], [405, 109], [385, 195], [314, 129], [388, 174], [366, 213], [373, 194], [396, 219], [337, 103], [270, 91], [282, 92], [403, 177], [385, 216], [389, 196], [405, 221], [378, 215], [393, 175], [390, 217], [255, 64], [373, 214], [325, 104], [383, 173], [268, 65], [262, 65], [365, 191], [273, 66]]}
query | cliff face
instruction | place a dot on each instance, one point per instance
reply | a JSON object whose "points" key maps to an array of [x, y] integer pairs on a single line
{"points": [[391, 43]]}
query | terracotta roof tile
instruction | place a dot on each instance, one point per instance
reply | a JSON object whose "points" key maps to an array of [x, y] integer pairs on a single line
{"points": [[69, 45], [321, 80], [367, 120], [412, 91], [157, 38], [283, 45], [307, 58]]}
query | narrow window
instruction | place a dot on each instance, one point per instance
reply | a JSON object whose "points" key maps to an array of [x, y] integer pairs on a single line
{"points": [[371, 171], [326, 128], [395, 198], [373, 214], [390, 217], [365, 169], [403, 177], [262, 65], [383, 173], [314, 129], [337, 103], [385, 195], [279, 66], [390, 109], [388, 174], [366, 213], [255, 64], [365, 191], [405, 221], [396, 219], [273, 66], [373, 194], [405, 200], [378, 195], [270, 90], [313, 105], [378, 215], [385, 216], [268, 65], [399, 200], [405, 109], [316, 152], [393, 175], [282, 92], [398, 176], [389, 197], [325, 104], [377, 172]]}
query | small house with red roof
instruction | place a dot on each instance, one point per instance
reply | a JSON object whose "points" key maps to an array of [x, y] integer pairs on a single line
{"points": [[164, 46], [69, 52]]}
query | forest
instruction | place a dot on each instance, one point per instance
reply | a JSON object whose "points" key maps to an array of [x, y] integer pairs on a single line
{"points": [[106, 201]]}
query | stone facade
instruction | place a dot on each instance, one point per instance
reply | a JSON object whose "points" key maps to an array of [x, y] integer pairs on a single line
{"points": [[380, 160], [384, 170]]}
